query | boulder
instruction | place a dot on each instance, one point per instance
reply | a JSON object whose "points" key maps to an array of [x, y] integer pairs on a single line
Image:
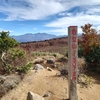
{"points": [[33, 96], [50, 61], [15, 77], [8, 82], [38, 67]]}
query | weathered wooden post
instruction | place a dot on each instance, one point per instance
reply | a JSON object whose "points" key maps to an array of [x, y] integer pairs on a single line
{"points": [[72, 62]]}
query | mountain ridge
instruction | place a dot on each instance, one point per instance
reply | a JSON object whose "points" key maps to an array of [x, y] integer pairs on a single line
{"points": [[28, 37]]}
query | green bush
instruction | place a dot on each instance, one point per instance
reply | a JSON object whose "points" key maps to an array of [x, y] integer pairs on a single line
{"points": [[93, 59], [16, 53], [80, 51], [6, 43], [89, 47], [25, 68], [9, 68]]}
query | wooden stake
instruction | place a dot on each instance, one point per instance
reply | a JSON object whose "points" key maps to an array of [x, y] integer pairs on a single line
{"points": [[72, 62]]}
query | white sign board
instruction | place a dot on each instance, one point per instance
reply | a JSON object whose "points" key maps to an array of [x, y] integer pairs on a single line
{"points": [[72, 62]]}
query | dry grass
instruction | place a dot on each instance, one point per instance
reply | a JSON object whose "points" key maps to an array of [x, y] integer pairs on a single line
{"points": [[82, 66]]}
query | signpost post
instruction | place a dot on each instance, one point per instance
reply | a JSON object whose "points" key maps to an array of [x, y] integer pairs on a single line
{"points": [[72, 62]]}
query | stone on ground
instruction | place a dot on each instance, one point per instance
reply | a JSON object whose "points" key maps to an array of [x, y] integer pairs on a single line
{"points": [[33, 96], [38, 67]]}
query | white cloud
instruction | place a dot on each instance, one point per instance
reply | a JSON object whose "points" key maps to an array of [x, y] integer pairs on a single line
{"points": [[79, 19], [61, 31], [97, 28], [62, 14], [94, 10], [42, 9], [39, 9], [57, 31]]}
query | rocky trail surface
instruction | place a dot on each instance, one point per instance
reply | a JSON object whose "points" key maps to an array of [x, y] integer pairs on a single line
{"points": [[51, 87], [40, 82]]}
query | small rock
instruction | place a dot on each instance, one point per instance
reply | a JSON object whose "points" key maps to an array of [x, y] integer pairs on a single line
{"points": [[38, 67], [2, 79], [50, 61], [33, 96], [64, 72], [48, 94], [49, 69]]}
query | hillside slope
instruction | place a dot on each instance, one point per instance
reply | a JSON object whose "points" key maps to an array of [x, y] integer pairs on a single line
{"points": [[53, 45]]}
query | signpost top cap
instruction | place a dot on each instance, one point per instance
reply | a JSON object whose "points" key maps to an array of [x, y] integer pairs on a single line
{"points": [[73, 26]]}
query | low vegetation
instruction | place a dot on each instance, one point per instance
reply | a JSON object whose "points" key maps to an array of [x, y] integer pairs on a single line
{"points": [[89, 47], [39, 54], [85, 81], [11, 56]]}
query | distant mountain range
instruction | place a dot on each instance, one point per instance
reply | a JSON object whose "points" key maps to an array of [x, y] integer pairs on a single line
{"points": [[34, 37]]}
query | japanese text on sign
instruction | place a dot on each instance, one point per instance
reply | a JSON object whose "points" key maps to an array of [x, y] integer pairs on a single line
{"points": [[74, 50]]}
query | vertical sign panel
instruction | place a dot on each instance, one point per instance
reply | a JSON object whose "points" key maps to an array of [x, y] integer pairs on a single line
{"points": [[72, 62]]}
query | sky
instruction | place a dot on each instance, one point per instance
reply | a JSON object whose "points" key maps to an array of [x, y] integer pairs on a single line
{"points": [[47, 16]]}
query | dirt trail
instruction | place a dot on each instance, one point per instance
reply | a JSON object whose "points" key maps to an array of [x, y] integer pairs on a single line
{"points": [[46, 81], [40, 83]]}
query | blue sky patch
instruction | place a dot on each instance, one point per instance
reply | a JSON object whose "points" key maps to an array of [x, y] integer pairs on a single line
{"points": [[49, 16]]}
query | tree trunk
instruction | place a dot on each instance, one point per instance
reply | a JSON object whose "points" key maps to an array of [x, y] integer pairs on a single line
{"points": [[3, 61]]}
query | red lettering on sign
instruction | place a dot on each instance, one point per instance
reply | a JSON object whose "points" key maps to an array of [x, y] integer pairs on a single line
{"points": [[74, 73], [74, 53], [74, 46], [73, 39], [73, 78], [74, 66], [74, 60], [74, 32]]}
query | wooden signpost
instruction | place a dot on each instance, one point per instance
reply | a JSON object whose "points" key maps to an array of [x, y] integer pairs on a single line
{"points": [[72, 62]]}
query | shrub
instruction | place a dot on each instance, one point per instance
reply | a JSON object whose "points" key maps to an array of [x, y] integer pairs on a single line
{"points": [[89, 47], [86, 81], [25, 68], [14, 58], [16, 53], [6, 43], [80, 51], [93, 59]]}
